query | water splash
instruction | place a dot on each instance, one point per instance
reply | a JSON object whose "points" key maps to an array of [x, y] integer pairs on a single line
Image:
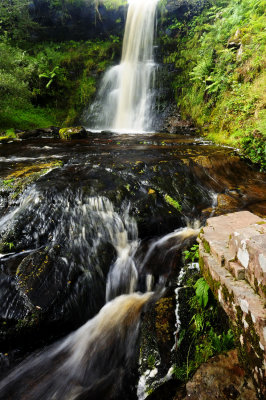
{"points": [[89, 363], [125, 96]]}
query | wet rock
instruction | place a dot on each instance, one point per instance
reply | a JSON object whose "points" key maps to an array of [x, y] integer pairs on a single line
{"points": [[258, 208], [106, 132], [165, 325], [37, 133], [221, 378], [50, 294], [227, 202], [175, 124], [5, 139], [77, 132], [168, 390], [15, 183]]}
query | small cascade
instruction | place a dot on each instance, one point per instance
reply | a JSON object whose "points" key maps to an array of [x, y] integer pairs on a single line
{"points": [[94, 361], [125, 96], [90, 363]]}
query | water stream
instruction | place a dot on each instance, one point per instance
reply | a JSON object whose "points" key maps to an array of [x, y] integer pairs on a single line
{"points": [[92, 240], [90, 243], [125, 97]]}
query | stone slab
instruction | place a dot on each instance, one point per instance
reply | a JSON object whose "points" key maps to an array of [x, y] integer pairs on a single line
{"points": [[248, 246], [239, 238], [247, 315], [233, 261]]}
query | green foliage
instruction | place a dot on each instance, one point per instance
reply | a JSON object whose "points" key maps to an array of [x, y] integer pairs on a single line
{"points": [[10, 245], [192, 254], [112, 4], [220, 60], [15, 19], [254, 147], [206, 334], [222, 342], [202, 292], [50, 75], [52, 83]]}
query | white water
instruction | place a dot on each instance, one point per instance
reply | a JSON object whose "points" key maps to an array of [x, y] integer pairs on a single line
{"points": [[88, 362], [93, 361], [125, 96]]}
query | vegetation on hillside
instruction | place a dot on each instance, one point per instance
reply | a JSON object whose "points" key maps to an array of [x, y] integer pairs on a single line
{"points": [[219, 57], [46, 83], [50, 84]]}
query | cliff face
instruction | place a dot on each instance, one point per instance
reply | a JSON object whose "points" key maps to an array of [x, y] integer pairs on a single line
{"points": [[90, 19], [81, 20]]}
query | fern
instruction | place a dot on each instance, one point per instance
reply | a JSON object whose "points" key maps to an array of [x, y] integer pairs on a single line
{"points": [[202, 292]]}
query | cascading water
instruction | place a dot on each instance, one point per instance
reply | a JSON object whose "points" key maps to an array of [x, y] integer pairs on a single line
{"points": [[89, 364], [125, 96], [80, 243], [93, 361]]}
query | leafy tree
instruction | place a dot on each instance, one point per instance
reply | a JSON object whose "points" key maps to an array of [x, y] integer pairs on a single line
{"points": [[15, 19]]}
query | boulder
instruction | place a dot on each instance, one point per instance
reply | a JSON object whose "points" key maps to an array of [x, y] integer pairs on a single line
{"points": [[220, 378], [77, 132]]}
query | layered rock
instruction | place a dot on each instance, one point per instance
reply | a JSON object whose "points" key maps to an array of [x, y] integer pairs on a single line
{"points": [[233, 261]]}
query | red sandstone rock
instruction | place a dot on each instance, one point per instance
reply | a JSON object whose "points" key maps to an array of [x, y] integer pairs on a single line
{"points": [[233, 260], [221, 378]]}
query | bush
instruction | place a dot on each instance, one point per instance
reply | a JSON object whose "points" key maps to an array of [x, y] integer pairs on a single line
{"points": [[52, 83], [219, 57]]}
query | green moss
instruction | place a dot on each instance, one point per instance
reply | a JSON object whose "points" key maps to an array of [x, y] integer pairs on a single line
{"points": [[206, 246], [163, 309], [172, 202], [72, 133], [228, 297], [16, 182], [214, 285], [256, 285], [28, 275], [250, 354]]}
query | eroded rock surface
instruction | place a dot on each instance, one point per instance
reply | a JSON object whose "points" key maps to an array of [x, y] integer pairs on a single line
{"points": [[221, 378], [233, 261]]}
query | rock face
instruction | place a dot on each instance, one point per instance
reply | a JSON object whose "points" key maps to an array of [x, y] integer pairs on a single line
{"points": [[76, 20], [220, 378], [233, 261], [77, 132]]}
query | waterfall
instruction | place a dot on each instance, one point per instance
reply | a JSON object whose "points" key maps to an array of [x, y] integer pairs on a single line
{"points": [[125, 96], [90, 363]]}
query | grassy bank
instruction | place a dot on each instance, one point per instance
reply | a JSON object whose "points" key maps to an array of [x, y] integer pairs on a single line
{"points": [[219, 58], [51, 83]]}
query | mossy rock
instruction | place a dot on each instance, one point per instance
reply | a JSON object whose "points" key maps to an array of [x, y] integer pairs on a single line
{"points": [[5, 139], [77, 132], [16, 182]]}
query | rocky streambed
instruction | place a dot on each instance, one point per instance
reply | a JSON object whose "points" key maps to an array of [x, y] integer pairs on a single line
{"points": [[72, 211]]}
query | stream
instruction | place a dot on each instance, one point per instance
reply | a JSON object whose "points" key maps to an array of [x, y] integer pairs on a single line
{"points": [[92, 233], [92, 242]]}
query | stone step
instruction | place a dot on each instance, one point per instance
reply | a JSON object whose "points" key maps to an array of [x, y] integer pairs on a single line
{"points": [[247, 314], [248, 246], [233, 261], [238, 243]]}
